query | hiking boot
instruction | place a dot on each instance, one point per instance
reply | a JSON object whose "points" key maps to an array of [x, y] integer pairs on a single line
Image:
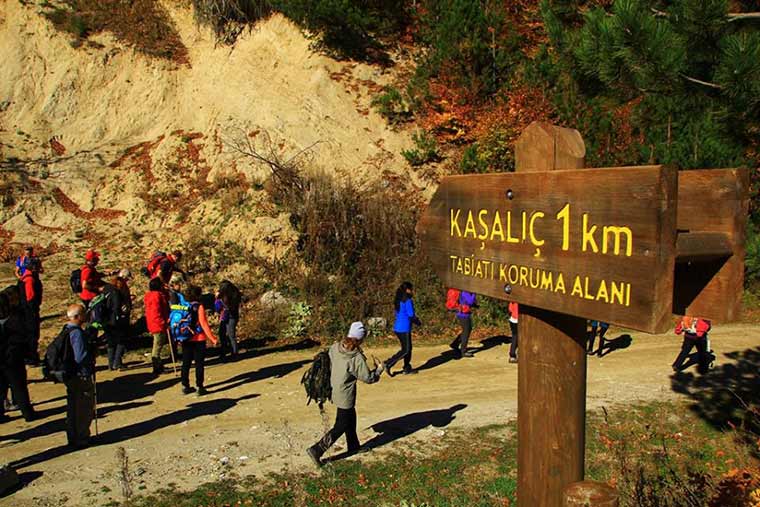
{"points": [[202, 391], [454, 345], [512, 359], [9, 407], [410, 371], [188, 390], [158, 368], [388, 370], [468, 353], [315, 456]]}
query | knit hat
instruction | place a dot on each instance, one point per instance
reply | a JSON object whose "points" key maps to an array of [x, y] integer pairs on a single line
{"points": [[125, 274], [91, 255], [356, 331]]}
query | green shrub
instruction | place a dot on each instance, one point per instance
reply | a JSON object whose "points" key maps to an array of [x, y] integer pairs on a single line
{"points": [[298, 320], [425, 149], [392, 105]]}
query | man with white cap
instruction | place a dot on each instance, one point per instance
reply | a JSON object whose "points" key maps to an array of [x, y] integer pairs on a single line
{"points": [[347, 365]]}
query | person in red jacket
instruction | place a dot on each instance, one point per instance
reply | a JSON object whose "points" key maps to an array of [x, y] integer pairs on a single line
{"points": [[31, 301], [694, 332], [194, 349], [92, 279], [157, 319]]}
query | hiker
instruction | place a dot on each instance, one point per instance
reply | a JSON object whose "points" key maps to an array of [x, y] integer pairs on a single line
{"points": [[194, 347], [465, 303], [402, 326], [13, 350], [603, 327], [347, 365], [163, 265], [80, 388], [227, 305], [157, 320], [694, 332], [28, 261], [176, 282], [514, 312], [91, 279], [28, 269], [117, 324]]}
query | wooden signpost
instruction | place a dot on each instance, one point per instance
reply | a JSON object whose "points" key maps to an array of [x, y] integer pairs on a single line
{"points": [[629, 246]]}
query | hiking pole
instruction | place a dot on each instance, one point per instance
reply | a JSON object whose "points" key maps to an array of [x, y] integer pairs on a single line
{"points": [[171, 351], [95, 399]]}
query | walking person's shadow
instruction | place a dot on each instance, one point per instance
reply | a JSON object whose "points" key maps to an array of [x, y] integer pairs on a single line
{"points": [[400, 427]]}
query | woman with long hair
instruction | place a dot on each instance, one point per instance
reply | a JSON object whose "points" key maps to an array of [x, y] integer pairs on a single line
{"points": [[402, 326]]}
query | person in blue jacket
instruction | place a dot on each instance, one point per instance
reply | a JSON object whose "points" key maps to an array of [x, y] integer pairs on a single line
{"points": [[405, 317]]}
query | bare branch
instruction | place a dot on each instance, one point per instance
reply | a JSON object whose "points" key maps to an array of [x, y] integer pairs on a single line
{"points": [[700, 82]]}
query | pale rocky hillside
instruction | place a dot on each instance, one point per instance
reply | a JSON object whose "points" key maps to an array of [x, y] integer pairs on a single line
{"points": [[129, 149]]}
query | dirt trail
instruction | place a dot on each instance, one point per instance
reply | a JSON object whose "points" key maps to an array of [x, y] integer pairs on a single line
{"points": [[255, 419]]}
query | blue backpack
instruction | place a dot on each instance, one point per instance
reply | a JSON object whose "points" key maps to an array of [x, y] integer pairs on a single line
{"points": [[183, 320]]}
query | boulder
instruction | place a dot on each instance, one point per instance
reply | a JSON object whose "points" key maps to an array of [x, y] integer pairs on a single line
{"points": [[377, 323], [274, 299]]}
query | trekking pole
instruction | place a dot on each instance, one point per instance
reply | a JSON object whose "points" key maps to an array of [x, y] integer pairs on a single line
{"points": [[95, 399], [171, 351]]}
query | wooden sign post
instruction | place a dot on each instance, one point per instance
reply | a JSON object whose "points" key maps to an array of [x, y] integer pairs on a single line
{"points": [[572, 244]]}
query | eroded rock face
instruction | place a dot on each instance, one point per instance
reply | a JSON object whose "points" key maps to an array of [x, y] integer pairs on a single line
{"points": [[133, 149]]}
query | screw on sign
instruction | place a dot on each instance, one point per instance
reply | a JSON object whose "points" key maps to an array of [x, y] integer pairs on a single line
{"points": [[627, 245]]}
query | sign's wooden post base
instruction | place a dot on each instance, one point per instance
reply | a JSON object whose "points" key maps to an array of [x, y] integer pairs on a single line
{"points": [[551, 406], [590, 494]]}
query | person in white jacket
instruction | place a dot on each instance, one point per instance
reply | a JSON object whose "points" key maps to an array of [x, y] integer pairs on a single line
{"points": [[347, 365]]}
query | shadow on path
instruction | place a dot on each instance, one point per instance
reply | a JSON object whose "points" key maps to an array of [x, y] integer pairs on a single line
{"points": [[621, 342], [727, 395], [139, 429], [130, 387], [448, 355], [275, 371], [400, 427], [59, 425]]}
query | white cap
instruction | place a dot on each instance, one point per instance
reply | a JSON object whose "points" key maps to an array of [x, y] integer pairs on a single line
{"points": [[125, 273], [356, 331]]}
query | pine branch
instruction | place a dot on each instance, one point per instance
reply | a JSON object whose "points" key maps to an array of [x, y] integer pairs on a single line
{"points": [[736, 16], [731, 16], [700, 82]]}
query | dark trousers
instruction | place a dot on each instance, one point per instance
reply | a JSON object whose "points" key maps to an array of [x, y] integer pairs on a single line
{"points": [[80, 409], [464, 336], [603, 327], [345, 424], [405, 339], [32, 325], [115, 341], [13, 377], [228, 337], [193, 351], [703, 359], [513, 345]]}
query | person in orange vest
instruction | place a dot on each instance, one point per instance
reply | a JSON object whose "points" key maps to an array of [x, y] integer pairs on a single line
{"points": [[694, 332], [513, 317]]}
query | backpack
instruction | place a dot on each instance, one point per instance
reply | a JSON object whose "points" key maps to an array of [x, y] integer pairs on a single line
{"points": [[100, 313], [151, 269], [183, 320], [59, 358], [75, 281], [452, 299], [316, 380]]}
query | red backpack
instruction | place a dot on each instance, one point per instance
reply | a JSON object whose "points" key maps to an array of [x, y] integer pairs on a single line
{"points": [[452, 299], [154, 263]]}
